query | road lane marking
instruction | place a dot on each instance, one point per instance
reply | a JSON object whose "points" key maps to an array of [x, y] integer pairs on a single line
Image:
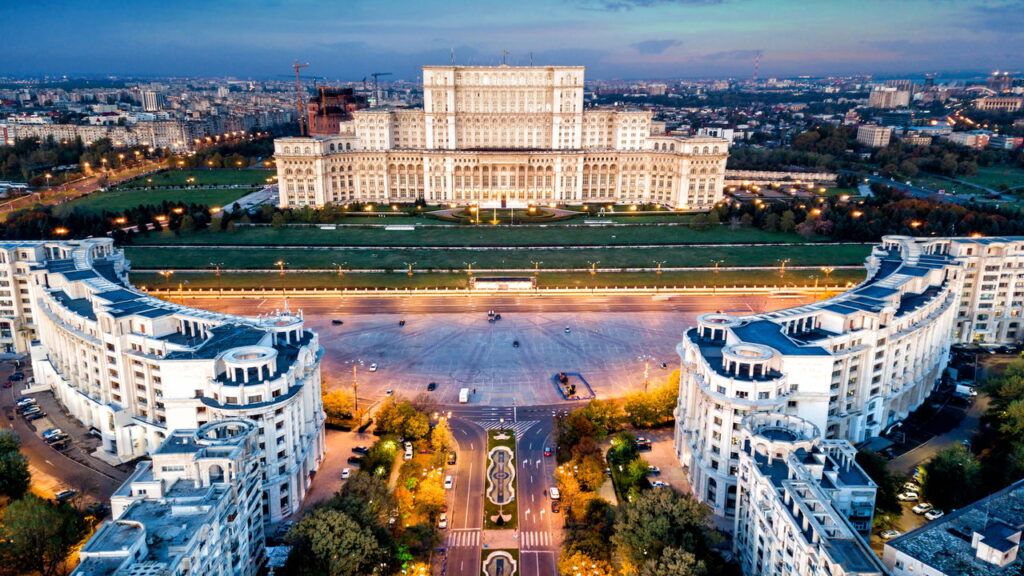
{"points": [[48, 462]]}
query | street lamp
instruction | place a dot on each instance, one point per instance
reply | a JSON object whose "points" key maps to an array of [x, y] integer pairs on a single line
{"points": [[593, 266], [782, 265], [280, 265], [410, 265], [167, 276], [469, 267], [536, 266], [48, 176], [716, 263], [827, 270], [341, 269], [659, 263]]}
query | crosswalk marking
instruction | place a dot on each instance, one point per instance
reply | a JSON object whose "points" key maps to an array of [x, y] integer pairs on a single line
{"points": [[520, 427], [463, 538], [535, 540]]}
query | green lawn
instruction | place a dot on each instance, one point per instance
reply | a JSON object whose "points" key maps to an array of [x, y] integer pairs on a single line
{"points": [[994, 176], [120, 200], [251, 280], [841, 192], [483, 236], [491, 509], [456, 259], [218, 177]]}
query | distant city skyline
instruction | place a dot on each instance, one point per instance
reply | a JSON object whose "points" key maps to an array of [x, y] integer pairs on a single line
{"points": [[614, 38]]}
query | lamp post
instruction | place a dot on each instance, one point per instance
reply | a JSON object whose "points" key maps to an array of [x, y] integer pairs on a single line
{"points": [[217, 266], [782, 266], [469, 267], [167, 276], [536, 266], [593, 266], [280, 266], [341, 268], [659, 263], [410, 265], [716, 263], [48, 176]]}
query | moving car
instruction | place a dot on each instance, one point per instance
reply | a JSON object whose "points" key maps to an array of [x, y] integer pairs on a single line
{"points": [[442, 522], [65, 495], [373, 367], [389, 392], [515, 343], [934, 514], [337, 322], [448, 482], [889, 534], [555, 494], [555, 506], [432, 386], [452, 457], [921, 508], [547, 450], [345, 473]]}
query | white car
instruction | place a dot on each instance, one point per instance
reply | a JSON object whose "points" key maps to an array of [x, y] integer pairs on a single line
{"points": [[448, 482], [911, 487], [922, 508], [345, 473], [555, 495], [889, 534], [442, 522], [373, 367], [934, 514], [907, 497], [659, 484]]}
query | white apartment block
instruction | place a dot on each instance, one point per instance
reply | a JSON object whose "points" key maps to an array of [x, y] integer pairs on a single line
{"points": [[852, 365], [873, 135], [803, 503], [134, 368], [501, 136], [888, 97], [193, 509], [981, 539]]}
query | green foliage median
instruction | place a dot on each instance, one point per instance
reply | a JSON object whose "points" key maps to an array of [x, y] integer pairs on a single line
{"points": [[492, 521]]}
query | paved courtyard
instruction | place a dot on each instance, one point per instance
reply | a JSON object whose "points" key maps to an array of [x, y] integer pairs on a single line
{"points": [[465, 350]]}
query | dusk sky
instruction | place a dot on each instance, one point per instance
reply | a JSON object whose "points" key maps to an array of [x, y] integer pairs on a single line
{"points": [[347, 39]]}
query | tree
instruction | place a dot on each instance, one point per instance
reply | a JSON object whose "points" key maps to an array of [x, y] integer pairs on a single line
{"points": [[14, 474], [660, 519], [216, 223], [908, 169], [654, 408], [188, 223], [441, 436], [331, 543], [277, 221], [788, 221], [580, 563], [674, 561], [771, 223], [700, 222], [877, 469], [39, 535], [338, 406], [952, 467]]}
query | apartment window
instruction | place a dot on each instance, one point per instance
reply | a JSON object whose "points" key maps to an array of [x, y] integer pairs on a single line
{"points": [[741, 394], [763, 395]]}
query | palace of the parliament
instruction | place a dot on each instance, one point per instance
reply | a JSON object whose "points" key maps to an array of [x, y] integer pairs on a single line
{"points": [[497, 136]]}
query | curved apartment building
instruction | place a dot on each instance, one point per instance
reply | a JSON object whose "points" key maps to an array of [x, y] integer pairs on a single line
{"points": [[852, 365], [135, 368]]}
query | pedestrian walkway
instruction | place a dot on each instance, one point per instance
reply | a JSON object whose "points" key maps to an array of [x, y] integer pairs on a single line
{"points": [[464, 538], [530, 540], [519, 427]]}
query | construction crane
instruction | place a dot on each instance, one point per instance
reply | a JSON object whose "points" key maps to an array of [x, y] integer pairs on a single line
{"points": [[376, 75], [298, 97]]}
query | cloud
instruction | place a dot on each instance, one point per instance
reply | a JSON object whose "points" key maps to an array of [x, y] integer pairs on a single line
{"points": [[730, 55], [654, 46], [1004, 18], [621, 5]]}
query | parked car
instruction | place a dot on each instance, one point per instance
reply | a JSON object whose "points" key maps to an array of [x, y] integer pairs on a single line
{"points": [[889, 534], [8, 384], [653, 471], [934, 514], [17, 376], [345, 473], [35, 416], [515, 343], [432, 386], [52, 432], [442, 522], [337, 322], [58, 438], [25, 401], [921, 508], [554, 493], [361, 450], [659, 484], [907, 497], [452, 458], [567, 330], [911, 487], [33, 409], [448, 482], [555, 506], [373, 367], [355, 460], [65, 495]]}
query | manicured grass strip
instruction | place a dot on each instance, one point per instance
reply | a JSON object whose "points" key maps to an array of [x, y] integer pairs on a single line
{"points": [[118, 201], [526, 235], [216, 177], [490, 508], [439, 280], [456, 259]]}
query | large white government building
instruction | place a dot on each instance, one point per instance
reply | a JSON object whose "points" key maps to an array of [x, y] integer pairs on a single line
{"points": [[135, 368], [849, 367], [502, 136]]}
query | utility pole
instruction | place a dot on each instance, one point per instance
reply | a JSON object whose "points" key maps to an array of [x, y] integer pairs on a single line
{"points": [[355, 391], [298, 97]]}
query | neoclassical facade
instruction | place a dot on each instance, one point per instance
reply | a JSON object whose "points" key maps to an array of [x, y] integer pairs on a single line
{"points": [[135, 368], [852, 365], [502, 136]]}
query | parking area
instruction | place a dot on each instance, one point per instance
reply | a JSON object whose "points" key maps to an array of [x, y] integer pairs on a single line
{"points": [[465, 350]]}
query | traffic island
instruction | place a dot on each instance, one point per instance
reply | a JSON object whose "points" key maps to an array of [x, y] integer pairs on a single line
{"points": [[573, 386], [500, 563], [500, 510]]}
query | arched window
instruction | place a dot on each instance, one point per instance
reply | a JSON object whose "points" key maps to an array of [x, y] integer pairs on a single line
{"points": [[287, 149], [706, 150], [714, 150], [216, 474]]}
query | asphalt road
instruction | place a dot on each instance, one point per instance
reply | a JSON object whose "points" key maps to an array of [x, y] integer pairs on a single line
{"points": [[428, 304], [465, 503], [539, 527]]}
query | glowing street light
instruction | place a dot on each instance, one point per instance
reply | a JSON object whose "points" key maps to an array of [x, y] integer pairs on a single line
{"points": [[659, 263], [341, 268], [167, 275], [782, 266], [716, 263], [593, 266], [280, 266], [469, 267]]}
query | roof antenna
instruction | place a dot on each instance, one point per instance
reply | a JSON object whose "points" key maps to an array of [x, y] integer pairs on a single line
{"points": [[531, 58], [453, 56]]}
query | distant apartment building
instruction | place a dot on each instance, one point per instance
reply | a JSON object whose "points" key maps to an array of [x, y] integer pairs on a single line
{"points": [[852, 365], [1000, 82], [150, 100], [888, 97], [803, 503], [1004, 142], [135, 368], [727, 134], [973, 139], [194, 508], [916, 139], [160, 134], [1000, 103], [657, 89], [873, 135], [981, 539]]}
